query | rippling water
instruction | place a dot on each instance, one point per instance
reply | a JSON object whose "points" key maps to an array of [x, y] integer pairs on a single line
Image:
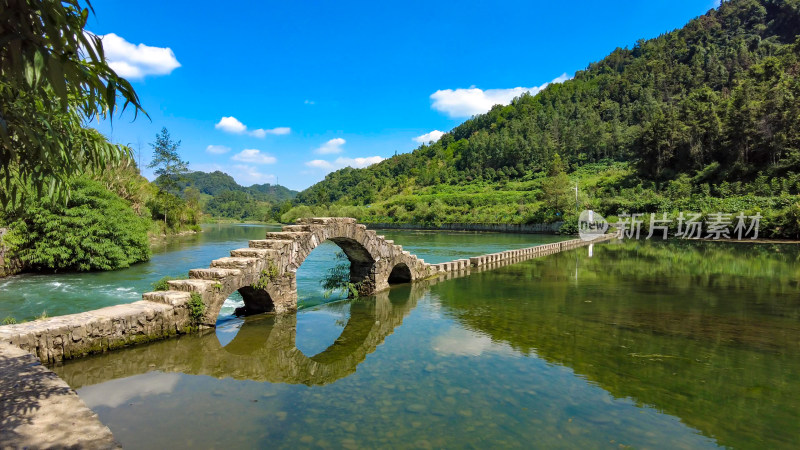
{"points": [[656, 345]]}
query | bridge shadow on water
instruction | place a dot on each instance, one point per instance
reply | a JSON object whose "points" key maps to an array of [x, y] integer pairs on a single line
{"points": [[264, 349]]}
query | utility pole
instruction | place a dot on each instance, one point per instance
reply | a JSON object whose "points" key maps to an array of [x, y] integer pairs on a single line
{"points": [[576, 198], [139, 153]]}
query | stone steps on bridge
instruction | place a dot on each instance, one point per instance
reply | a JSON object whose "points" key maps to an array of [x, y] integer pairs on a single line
{"points": [[167, 297], [235, 262], [213, 273], [249, 252], [298, 228], [270, 244], [191, 285], [287, 235]]}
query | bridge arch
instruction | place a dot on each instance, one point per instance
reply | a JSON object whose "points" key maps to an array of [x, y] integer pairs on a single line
{"points": [[399, 274], [265, 272]]}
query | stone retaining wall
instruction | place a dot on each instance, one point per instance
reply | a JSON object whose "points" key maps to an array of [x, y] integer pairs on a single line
{"points": [[515, 255], [522, 228], [75, 335]]}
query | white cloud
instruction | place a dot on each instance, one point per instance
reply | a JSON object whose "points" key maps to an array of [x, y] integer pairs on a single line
{"points": [[244, 174], [217, 149], [206, 167], [233, 125], [309, 102], [468, 102], [230, 125], [249, 175], [331, 147], [357, 162], [340, 162], [260, 133], [121, 391], [320, 164], [252, 155], [462, 342], [433, 136], [137, 61]]}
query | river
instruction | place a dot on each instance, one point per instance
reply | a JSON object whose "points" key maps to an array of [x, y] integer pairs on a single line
{"points": [[28, 296], [642, 344]]}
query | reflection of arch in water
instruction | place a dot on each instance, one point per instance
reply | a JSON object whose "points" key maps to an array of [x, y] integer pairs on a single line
{"points": [[263, 350]]}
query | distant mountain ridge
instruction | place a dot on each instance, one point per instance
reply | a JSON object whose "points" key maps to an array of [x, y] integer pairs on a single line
{"points": [[221, 197], [216, 182]]}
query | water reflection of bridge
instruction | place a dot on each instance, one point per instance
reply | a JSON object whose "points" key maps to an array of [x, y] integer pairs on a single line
{"points": [[264, 349]]}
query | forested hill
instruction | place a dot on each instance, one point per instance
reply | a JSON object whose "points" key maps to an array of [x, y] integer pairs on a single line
{"points": [[221, 197], [215, 183], [711, 109]]}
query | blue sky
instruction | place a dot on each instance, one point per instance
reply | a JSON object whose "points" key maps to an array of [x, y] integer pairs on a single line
{"points": [[288, 91]]}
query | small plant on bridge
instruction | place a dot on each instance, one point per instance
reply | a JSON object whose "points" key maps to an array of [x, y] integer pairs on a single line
{"points": [[9, 321], [162, 284], [196, 307], [267, 275], [338, 279]]}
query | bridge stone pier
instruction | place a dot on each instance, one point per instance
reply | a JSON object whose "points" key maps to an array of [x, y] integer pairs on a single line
{"points": [[265, 272]]}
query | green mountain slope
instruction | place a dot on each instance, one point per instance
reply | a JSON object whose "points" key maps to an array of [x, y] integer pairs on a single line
{"points": [[217, 182], [704, 116], [222, 197]]}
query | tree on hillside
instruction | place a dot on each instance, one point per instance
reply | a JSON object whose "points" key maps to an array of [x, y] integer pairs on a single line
{"points": [[556, 188], [53, 78], [170, 168]]}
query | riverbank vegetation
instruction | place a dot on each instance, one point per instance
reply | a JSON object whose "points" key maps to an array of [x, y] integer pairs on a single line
{"points": [[222, 199], [106, 223], [70, 199], [701, 119]]}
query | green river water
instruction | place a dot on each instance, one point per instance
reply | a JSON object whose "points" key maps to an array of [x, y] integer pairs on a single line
{"points": [[643, 344]]}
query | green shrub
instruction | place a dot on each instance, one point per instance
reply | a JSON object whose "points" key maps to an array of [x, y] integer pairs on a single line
{"points": [[9, 321], [196, 307], [338, 279], [162, 285], [95, 230], [570, 226]]}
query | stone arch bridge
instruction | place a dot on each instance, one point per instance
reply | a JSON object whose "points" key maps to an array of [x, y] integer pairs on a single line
{"points": [[265, 273]]}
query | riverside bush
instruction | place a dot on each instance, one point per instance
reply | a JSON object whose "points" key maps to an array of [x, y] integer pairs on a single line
{"points": [[95, 230]]}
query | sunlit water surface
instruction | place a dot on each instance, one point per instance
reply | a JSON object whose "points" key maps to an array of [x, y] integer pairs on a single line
{"points": [[657, 345], [28, 296]]}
